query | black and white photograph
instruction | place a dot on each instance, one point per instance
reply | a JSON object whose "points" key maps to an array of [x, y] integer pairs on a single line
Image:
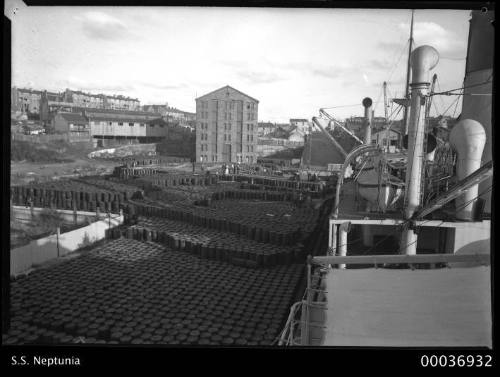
{"points": [[249, 177]]}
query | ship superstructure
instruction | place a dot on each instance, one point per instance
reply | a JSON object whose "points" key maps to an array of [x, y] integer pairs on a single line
{"points": [[409, 235]]}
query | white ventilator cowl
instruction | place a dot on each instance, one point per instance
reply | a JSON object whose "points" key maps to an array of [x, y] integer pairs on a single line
{"points": [[422, 60], [468, 138]]}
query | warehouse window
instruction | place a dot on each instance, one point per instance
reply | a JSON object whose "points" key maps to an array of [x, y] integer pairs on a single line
{"points": [[151, 125], [131, 124], [142, 124], [120, 123]]}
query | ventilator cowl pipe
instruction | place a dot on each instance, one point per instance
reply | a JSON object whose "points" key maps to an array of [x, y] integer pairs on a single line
{"points": [[468, 138]]}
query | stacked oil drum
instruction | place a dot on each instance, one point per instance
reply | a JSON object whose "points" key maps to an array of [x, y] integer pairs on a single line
{"points": [[259, 223], [125, 172], [173, 180], [132, 292], [71, 194], [225, 273], [210, 243], [313, 188]]}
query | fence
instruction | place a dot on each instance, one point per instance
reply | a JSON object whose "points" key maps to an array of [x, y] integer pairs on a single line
{"points": [[57, 245]]}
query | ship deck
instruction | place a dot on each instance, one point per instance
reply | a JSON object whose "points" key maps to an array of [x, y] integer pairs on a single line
{"points": [[449, 307]]}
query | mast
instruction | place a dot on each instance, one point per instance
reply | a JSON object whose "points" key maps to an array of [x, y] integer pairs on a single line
{"points": [[424, 59], [408, 71], [386, 118]]}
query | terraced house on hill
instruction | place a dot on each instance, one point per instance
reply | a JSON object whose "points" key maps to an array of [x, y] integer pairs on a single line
{"points": [[226, 126]]}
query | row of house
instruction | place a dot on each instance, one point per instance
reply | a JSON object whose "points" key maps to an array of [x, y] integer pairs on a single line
{"points": [[184, 118], [304, 126], [32, 101]]}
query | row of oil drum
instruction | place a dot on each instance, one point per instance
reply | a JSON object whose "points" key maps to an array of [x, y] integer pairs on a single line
{"points": [[108, 184], [169, 180], [276, 182], [214, 246], [126, 172], [251, 195], [163, 297], [281, 217], [85, 201], [144, 162], [289, 234]]}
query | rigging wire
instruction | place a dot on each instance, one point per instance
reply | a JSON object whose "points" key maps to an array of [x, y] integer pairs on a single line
{"points": [[397, 62], [449, 92], [455, 110], [449, 107], [440, 97], [336, 107], [435, 107]]}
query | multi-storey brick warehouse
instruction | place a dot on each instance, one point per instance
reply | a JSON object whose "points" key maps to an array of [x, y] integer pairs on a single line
{"points": [[226, 127]]}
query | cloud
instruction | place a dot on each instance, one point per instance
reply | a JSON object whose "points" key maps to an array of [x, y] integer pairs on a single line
{"points": [[102, 26], [379, 64], [259, 77], [164, 86], [433, 34], [389, 47], [96, 86], [327, 72]]}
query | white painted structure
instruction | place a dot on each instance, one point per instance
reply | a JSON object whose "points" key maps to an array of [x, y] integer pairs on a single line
{"points": [[54, 246], [468, 139]]}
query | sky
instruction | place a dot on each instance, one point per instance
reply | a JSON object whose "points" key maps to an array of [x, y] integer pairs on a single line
{"points": [[294, 61]]}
